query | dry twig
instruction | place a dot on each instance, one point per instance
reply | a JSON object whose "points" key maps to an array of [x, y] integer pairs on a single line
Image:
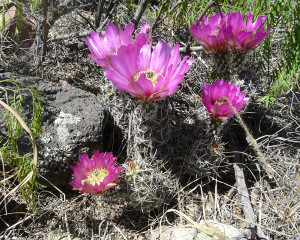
{"points": [[266, 166], [243, 190], [139, 12]]}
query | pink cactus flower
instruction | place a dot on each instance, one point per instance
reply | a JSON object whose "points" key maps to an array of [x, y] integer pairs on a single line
{"points": [[102, 47], [219, 97], [209, 33], [95, 175], [146, 74], [242, 33]]}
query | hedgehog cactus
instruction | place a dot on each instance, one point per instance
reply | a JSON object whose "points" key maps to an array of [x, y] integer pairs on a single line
{"points": [[149, 187], [147, 75], [149, 184]]}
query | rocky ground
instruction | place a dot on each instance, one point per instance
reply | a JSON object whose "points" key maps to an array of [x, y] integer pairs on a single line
{"points": [[190, 196]]}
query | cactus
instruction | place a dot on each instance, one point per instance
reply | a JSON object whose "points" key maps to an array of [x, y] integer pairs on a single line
{"points": [[149, 185], [145, 129], [228, 64]]}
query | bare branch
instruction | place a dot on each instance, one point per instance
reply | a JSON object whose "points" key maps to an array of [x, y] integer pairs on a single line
{"points": [[192, 49], [159, 14], [172, 10], [250, 139], [138, 14], [79, 34], [208, 6], [98, 13], [45, 29], [86, 20], [219, 8], [243, 191]]}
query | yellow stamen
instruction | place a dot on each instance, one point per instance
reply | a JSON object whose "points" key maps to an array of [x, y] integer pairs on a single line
{"points": [[96, 176], [152, 76], [222, 101]]}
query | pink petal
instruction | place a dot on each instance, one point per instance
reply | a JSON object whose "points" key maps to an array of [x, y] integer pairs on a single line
{"points": [[135, 89], [117, 79], [125, 61], [160, 56], [112, 35], [127, 35], [144, 57], [146, 85]]}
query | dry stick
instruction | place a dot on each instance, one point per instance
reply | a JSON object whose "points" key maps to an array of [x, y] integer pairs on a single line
{"points": [[16, 224], [86, 20], [243, 191], [192, 49], [45, 31], [98, 13], [219, 8], [172, 10], [86, 33], [269, 229], [263, 162], [208, 6], [159, 14], [79, 34], [138, 14]]}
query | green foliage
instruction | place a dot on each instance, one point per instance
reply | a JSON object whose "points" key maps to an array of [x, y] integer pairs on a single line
{"points": [[19, 16], [130, 6], [189, 11], [3, 14], [14, 94], [19, 23], [23, 166], [283, 15], [34, 4], [16, 102]]}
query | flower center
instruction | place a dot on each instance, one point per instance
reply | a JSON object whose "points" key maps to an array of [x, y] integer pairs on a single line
{"points": [[96, 176], [222, 100], [152, 76]]}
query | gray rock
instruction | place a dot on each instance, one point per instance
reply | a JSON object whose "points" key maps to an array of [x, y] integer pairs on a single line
{"points": [[72, 124], [60, 235], [162, 232], [225, 231], [188, 233], [206, 230]]}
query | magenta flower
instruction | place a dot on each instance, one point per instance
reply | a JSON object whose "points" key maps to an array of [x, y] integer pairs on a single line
{"points": [[95, 175], [102, 47], [218, 97], [242, 34], [146, 74], [209, 33]]}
